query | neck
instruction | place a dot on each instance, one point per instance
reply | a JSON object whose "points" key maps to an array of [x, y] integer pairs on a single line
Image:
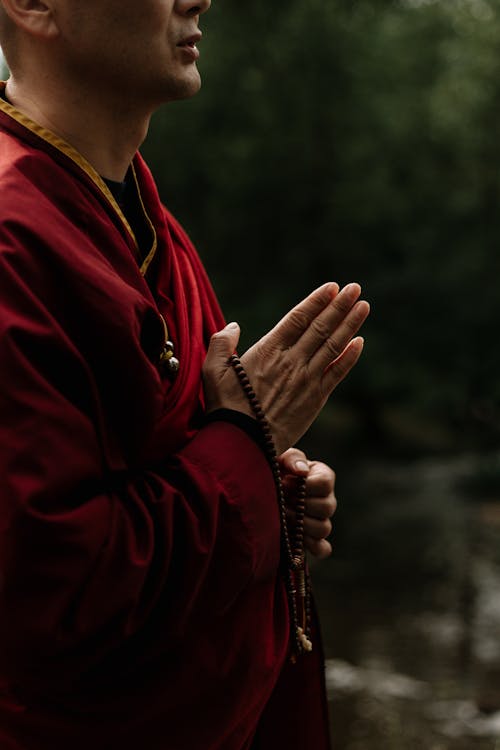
{"points": [[106, 132]]}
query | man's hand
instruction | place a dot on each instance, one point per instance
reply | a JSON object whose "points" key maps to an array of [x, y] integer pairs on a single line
{"points": [[321, 502], [294, 368]]}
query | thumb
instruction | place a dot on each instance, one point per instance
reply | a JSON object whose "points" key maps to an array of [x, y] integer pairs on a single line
{"points": [[294, 461], [221, 347]]}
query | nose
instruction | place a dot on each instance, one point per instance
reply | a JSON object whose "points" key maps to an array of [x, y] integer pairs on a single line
{"points": [[193, 7]]}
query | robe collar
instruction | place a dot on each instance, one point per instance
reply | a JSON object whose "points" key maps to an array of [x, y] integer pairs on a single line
{"points": [[71, 153]]}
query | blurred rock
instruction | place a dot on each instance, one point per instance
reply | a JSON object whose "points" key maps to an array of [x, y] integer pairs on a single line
{"points": [[342, 677]]}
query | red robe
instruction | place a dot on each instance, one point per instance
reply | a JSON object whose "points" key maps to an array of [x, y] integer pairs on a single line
{"points": [[141, 604]]}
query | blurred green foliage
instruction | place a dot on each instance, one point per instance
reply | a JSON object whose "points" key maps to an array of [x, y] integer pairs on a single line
{"points": [[355, 140]]}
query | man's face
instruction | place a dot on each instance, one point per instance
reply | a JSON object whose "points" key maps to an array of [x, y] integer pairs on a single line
{"points": [[144, 47]]}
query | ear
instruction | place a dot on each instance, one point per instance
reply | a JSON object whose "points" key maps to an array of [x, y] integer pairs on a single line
{"points": [[34, 17]]}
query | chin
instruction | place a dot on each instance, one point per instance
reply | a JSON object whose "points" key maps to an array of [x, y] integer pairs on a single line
{"points": [[182, 87]]}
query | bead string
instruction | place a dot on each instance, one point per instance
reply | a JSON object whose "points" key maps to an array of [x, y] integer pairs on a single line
{"points": [[296, 576]]}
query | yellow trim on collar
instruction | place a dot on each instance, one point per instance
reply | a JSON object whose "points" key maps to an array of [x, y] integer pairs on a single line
{"points": [[149, 257], [77, 158]]}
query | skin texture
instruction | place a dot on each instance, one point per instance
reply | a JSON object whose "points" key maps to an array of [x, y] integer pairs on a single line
{"points": [[296, 366], [293, 371], [93, 72], [321, 502]]}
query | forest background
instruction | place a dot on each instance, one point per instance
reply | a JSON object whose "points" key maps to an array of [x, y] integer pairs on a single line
{"points": [[356, 140]]}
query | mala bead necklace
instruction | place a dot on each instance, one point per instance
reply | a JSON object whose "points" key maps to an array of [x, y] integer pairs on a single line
{"points": [[301, 590], [296, 575]]}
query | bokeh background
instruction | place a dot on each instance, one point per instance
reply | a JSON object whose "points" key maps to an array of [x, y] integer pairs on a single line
{"points": [[360, 140]]}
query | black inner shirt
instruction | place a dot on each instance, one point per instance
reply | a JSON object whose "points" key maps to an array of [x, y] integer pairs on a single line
{"points": [[126, 195]]}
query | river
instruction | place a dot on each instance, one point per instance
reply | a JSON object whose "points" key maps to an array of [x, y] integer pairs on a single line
{"points": [[410, 608]]}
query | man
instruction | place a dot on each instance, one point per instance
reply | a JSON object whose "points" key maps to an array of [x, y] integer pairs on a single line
{"points": [[142, 603]]}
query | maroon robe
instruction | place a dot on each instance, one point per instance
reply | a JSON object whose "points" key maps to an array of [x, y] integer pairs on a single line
{"points": [[141, 604]]}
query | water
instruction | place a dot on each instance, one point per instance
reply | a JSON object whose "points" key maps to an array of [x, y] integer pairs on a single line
{"points": [[411, 615]]}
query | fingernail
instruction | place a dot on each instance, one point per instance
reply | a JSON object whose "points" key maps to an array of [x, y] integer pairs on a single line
{"points": [[232, 325], [351, 288], [302, 466]]}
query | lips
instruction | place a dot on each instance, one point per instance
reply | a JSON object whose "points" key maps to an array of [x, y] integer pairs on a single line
{"points": [[191, 41], [189, 50]]}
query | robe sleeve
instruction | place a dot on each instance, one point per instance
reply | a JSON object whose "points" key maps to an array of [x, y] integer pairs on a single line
{"points": [[94, 558]]}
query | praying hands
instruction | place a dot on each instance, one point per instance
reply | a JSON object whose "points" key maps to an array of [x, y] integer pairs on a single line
{"points": [[294, 368]]}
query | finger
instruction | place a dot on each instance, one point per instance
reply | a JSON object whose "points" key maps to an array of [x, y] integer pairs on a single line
{"points": [[316, 528], [320, 480], [295, 462], [320, 484], [333, 346], [325, 323], [313, 527], [318, 548], [321, 507], [221, 347], [290, 328], [341, 367]]}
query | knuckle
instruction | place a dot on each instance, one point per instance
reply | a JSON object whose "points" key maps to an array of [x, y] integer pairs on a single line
{"points": [[221, 336], [287, 368], [326, 475], [320, 486], [352, 323], [218, 342], [342, 304], [287, 457], [337, 371], [320, 329], [333, 347], [298, 319]]}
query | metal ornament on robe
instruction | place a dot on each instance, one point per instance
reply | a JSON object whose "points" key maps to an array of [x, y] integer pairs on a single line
{"points": [[167, 359]]}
